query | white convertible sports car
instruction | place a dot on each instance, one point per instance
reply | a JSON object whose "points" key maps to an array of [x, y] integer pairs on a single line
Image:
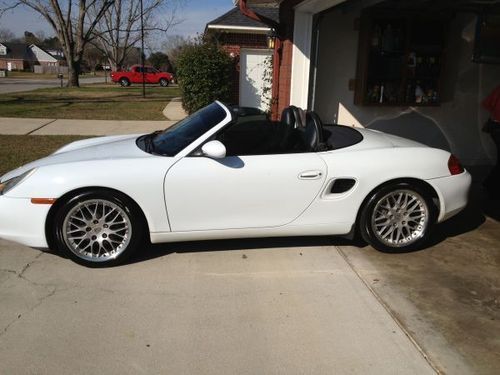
{"points": [[227, 172]]}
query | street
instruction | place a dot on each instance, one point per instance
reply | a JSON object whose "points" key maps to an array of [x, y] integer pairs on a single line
{"points": [[9, 85]]}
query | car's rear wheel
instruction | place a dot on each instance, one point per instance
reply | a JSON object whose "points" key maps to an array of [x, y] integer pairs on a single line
{"points": [[124, 82], [398, 218], [99, 228], [164, 82]]}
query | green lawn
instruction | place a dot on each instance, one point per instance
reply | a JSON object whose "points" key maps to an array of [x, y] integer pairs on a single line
{"points": [[31, 75], [16, 150], [96, 102]]}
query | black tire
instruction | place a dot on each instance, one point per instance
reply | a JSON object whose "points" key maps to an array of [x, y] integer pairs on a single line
{"points": [[398, 227], [124, 82], [118, 239], [164, 82]]}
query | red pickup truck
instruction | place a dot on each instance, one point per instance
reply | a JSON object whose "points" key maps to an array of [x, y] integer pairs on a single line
{"points": [[134, 75]]}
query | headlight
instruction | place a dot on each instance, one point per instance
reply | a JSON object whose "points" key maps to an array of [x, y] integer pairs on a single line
{"points": [[13, 182]]}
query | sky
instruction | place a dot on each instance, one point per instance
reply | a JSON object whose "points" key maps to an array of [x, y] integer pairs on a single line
{"points": [[194, 13]]}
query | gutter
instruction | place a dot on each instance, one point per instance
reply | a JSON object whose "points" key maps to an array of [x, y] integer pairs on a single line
{"points": [[273, 25], [248, 29]]}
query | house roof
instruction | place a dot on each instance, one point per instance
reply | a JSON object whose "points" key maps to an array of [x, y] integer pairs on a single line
{"points": [[235, 20], [23, 51], [261, 2], [18, 51]]}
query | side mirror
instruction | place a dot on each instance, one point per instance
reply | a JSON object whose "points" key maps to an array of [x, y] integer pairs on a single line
{"points": [[214, 150]]}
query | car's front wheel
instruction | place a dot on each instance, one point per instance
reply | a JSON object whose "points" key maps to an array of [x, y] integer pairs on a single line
{"points": [[99, 228], [164, 82], [124, 82], [398, 218]]}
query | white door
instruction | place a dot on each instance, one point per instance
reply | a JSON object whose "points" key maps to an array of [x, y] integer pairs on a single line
{"points": [[241, 192], [252, 70]]}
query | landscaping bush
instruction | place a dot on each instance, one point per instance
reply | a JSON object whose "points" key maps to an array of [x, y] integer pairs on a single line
{"points": [[204, 75]]}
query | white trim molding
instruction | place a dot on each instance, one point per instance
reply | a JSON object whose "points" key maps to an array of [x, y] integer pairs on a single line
{"points": [[302, 41], [301, 58], [241, 29]]}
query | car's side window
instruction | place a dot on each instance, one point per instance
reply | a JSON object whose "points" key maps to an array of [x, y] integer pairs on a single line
{"points": [[249, 135]]}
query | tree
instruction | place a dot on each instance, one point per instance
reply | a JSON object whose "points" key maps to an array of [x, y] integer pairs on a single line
{"points": [[118, 31], [51, 43], [204, 75], [160, 61], [71, 22], [30, 38], [92, 58], [6, 35], [173, 46]]}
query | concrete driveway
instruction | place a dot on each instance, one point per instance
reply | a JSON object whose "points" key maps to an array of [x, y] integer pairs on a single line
{"points": [[9, 85], [229, 307]]}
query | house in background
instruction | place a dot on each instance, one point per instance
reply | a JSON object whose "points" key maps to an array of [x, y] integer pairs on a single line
{"points": [[21, 56], [418, 69], [246, 40]]}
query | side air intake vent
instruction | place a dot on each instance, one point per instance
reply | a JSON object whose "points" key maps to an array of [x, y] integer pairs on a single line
{"points": [[342, 185]]}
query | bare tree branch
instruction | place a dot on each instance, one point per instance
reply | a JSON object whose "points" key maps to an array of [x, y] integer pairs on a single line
{"points": [[69, 23], [119, 29]]}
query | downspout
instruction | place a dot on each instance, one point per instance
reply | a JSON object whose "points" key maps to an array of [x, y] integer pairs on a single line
{"points": [[276, 53]]}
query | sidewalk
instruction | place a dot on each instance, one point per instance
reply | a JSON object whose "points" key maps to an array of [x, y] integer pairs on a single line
{"points": [[39, 126]]}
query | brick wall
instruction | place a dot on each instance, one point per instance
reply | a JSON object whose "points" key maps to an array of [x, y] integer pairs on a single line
{"points": [[233, 43], [285, 73], [17, 64]]}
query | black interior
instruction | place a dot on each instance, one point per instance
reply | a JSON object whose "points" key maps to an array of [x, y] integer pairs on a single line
{"points": [[252, 133]]}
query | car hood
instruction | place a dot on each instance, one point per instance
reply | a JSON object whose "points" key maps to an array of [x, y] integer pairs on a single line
{"points": [[102, 148]]}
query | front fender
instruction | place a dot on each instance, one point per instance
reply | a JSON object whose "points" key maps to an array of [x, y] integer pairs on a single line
{"points": [[143, 182]]}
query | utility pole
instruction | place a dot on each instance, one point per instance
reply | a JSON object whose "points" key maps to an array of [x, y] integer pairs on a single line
{"points": [[142, 53]]}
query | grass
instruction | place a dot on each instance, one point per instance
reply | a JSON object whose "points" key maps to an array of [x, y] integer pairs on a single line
{"points": [[31, 75], [16, 150], [94, 102]]}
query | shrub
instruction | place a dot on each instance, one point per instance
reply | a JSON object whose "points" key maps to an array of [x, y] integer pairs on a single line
{"points": [[204, 75]]}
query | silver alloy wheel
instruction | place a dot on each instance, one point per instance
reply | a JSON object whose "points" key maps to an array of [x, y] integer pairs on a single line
{"points": [[400, 218], [97, 230]]}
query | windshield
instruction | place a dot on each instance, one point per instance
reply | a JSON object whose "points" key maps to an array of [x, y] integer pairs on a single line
{"points": [[174, 139]]}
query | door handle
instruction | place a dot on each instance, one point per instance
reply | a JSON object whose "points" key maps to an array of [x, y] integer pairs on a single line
{"points": [[310, 175]]}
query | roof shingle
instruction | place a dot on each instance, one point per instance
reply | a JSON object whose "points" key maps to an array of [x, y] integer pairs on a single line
{"points": [[235, 18]]}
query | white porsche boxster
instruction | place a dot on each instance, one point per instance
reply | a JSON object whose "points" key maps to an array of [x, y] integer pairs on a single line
{"points": [[229, 172]]}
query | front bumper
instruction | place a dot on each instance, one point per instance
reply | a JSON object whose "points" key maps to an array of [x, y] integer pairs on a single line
{"points": [[23, 222], [453, 194]]}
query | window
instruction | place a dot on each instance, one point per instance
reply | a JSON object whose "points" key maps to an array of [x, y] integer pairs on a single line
{"points": [[487, 38], [3, 50], [174, 139], [400, 59], [251, 133]]}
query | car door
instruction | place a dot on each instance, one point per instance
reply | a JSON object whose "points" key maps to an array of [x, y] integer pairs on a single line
{"points": [[136, 75], [151, 75], [254, 191]]}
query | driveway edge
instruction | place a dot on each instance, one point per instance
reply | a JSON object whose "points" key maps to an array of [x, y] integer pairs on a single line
{"points": [[389, 311]]}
